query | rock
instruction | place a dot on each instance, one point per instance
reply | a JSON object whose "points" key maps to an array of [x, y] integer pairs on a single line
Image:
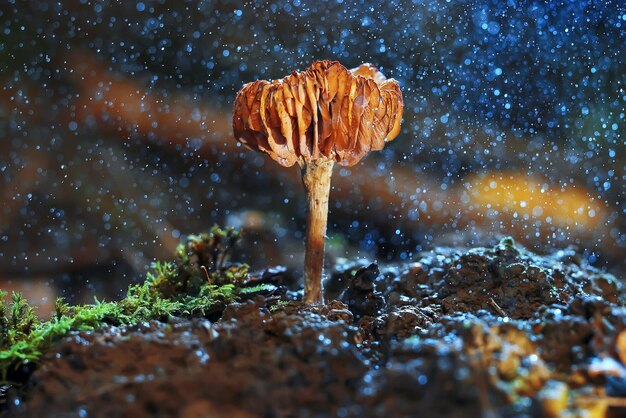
{"points": [[361, 295]]}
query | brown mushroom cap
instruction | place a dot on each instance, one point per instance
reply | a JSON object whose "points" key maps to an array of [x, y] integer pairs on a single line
{"points": [[326, 111]]}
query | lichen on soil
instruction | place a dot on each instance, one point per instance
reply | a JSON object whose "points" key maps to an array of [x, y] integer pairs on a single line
{"points": [[495, 331]]}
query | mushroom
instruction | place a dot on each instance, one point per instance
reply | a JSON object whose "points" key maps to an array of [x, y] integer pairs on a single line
{"points": [[315, 118]]}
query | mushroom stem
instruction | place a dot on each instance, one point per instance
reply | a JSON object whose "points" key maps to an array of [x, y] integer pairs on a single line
{"points": [[316, 178]]}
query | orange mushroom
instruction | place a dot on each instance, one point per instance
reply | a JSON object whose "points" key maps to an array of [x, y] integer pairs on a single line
{"points": [[315, 118]]}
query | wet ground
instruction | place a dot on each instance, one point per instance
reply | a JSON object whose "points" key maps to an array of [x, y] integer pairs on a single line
{"points": [[486, 332]]}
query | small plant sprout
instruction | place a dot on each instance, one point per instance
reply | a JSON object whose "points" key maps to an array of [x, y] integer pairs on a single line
{"points": [[315, 118]]}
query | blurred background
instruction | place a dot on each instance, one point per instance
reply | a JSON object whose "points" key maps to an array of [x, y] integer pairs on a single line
{"points": [[116, 141]]}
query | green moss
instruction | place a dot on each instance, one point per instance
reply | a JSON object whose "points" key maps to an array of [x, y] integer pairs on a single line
{"points": [[263, 287], [199, 282], [210, 299], [279, 306]]}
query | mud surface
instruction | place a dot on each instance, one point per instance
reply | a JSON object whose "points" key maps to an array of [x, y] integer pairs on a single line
{"points": [[486, 332]]}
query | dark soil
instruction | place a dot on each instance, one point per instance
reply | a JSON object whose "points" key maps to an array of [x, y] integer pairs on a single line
{"points": [[487, 332]]}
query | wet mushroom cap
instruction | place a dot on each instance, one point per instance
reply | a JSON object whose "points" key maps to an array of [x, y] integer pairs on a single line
{"points": [[326, 111]]}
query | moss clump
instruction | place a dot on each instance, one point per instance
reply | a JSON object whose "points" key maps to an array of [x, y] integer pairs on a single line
{"points": [[200, 259], [199, 282]]}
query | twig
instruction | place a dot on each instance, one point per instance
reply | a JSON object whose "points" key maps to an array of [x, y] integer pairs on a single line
{"points": [[497, 308], [206, 272]]}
